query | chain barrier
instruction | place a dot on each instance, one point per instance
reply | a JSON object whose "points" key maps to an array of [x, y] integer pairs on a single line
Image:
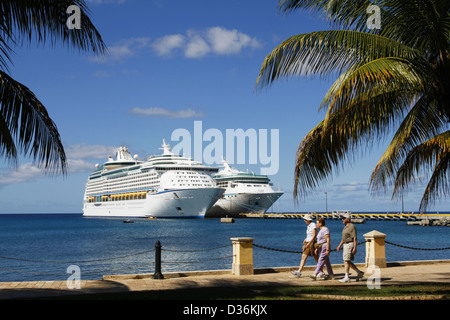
{"points": [[111, 259], [168, 262], [398, 245], [196, 261], [200, 250], [273, 249], [75, 262], [424, 249]]}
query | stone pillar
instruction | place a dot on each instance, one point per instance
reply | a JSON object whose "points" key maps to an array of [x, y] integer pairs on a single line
{"points": [[375, 249], [242, 256]]}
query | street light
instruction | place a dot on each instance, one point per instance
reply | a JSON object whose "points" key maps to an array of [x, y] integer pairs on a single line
{"points": [[326, 202]]}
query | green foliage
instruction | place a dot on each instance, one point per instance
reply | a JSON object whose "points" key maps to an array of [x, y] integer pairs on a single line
{"points": [[24, 122], [396, 78]]}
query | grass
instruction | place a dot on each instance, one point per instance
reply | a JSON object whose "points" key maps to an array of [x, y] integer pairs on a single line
{"points": [[276, 293]]}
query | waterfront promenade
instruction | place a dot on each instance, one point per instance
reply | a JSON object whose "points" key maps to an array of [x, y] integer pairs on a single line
{"points": [[396, 273]]}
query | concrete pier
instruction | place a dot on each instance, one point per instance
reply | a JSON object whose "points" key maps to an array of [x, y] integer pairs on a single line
{"points": [[355, 215]]}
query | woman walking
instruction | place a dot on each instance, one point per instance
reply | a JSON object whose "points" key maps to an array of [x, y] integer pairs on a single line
{"points": [[308, 244], [323, 251]]}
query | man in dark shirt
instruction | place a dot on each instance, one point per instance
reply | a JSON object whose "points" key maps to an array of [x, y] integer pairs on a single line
{"points": [[349, 243]]}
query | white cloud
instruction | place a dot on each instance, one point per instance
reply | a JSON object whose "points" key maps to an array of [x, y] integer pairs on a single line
{"points": [[77, 161], [24, 172], [84, 151], [197, 44], [122, 49], [167, 44], [352, 186], [79, 165], [225, 41], [161, 112], [196, 47]]}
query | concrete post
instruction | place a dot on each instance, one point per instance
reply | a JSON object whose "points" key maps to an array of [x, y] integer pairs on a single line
{"points": [[242, 256], [375, 249]]}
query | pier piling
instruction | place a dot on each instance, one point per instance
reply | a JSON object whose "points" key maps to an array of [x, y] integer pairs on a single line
{"points": [[242, 256], [375, 249], [158, 274]]}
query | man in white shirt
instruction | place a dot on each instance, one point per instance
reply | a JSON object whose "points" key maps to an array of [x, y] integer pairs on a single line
{"points": [[308, 244]]}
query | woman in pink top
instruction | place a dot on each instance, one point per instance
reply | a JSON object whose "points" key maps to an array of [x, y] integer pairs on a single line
{"points": [[323, 241]]}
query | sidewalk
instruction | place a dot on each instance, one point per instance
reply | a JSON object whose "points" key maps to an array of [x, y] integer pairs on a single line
{"points": [[418, 272]]}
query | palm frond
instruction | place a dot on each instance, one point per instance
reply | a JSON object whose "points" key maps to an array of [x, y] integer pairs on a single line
{"points": [[24, 119], [45, 20], [421, 24], [345, 13], [433, 154], [422, 122], [362, 122], [397, 76], [7, 145], [384, 75], [328, 52]]}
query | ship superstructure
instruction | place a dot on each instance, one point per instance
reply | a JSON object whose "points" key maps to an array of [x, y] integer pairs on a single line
{"points": [[166, 185]]}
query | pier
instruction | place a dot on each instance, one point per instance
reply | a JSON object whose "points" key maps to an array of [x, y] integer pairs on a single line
{"points": [[357, 217]]}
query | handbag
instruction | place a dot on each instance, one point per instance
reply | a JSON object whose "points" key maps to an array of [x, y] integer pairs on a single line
{"points": [[318, 245]]}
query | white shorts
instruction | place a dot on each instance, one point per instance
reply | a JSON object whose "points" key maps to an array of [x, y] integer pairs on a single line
{"points": [[347, 252]]}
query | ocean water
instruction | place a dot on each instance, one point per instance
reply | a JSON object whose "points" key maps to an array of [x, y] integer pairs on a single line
{"points": [[44, 246]]}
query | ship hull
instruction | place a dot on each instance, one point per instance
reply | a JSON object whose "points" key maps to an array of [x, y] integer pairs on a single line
{"points": [[233, 204], [180, 203]]}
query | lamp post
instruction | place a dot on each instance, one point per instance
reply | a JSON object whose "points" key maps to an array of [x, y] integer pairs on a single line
{"points": [[326, 202]]}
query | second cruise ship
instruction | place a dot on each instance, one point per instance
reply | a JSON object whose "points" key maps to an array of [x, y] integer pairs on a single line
{"points": [[245, 192], [166, 186]]}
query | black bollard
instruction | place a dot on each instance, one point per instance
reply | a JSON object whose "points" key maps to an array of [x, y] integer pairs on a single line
{"points": [[158, 274]]}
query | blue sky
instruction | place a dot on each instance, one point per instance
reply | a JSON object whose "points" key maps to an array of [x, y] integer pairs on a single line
{"points": [[171, 63]]}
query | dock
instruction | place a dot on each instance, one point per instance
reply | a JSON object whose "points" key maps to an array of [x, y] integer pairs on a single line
{"points": [[357, 217]]}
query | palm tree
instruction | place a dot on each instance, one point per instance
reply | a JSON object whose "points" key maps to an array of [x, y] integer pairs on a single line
{"points": [[393, 80], [25, 124]]}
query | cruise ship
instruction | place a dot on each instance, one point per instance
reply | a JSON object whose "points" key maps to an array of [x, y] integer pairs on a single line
{"points": [[162, 186], [244, 192]]}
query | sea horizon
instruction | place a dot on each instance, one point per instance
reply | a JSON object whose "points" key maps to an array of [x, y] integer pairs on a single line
{"points": [[437, 212]]}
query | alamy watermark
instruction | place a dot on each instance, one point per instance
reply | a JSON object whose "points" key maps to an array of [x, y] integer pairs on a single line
{"points": [[374, 280], [74, 20], [74, 280], [237, 146], [374, 19]]}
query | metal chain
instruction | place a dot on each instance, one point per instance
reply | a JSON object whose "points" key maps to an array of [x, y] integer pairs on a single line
{"points": [[201, 250], [174, 262], [289, 251], [273, 249], [424, 249], [193, 261], [74, 262]]}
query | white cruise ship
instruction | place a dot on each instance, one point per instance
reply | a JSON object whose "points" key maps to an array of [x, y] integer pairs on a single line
{"points": [[163, 186], [245, 192]]}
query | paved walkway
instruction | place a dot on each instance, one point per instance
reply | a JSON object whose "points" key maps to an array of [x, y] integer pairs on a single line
{"points": [[408, 273]]}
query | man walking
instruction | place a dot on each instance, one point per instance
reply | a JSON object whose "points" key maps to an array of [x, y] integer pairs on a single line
{"points": [[349, 243]]}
